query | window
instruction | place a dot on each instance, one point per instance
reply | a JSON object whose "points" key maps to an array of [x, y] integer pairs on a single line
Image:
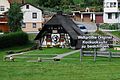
{"points": [[34, 15], [119, 5], [23, 25], [107, 4], [27, 6], [2, 8], [109, 15], [116, 15], [34, 25], [111, 4], [114, 4]]}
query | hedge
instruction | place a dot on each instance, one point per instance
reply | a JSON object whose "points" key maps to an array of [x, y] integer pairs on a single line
{"points": [[13, 39], [110, 26]]}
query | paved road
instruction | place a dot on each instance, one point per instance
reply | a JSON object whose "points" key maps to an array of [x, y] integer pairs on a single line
{"points": [[91, 27], [65, 54]]}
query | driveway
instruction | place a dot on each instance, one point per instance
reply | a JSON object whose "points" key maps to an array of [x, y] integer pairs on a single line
{"points": [[91, 27]]}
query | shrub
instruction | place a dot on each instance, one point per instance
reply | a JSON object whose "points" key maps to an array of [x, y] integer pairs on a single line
{"points": [[13, 39], [104, 26], [100, 33], [115, 26], [109, 26]]}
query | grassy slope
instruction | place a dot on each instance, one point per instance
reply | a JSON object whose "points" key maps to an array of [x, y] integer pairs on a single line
{"points": [[67, 69], [116, 33]]}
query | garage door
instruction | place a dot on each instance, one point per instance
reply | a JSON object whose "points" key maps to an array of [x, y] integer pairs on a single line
{"points": [[86, 18], [99, 18]]}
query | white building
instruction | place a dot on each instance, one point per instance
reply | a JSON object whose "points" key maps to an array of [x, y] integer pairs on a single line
{"points": [[111, 11], [32, 18], [4, 6]]}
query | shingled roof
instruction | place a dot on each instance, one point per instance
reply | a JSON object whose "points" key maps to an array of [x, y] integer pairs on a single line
{"points": [[17, 1], [68, 25]]}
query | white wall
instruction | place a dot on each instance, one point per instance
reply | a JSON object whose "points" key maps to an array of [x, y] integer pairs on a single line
{"points": [[113, 10], [110, 9], [27, 14], [6, 4], [113, 20], [28, 18]]}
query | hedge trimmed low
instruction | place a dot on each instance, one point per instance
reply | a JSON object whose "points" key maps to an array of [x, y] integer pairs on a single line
{"points": [[13, 39]]}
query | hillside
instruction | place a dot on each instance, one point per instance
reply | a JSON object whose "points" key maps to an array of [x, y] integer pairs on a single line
{"points": [[67, 5]]}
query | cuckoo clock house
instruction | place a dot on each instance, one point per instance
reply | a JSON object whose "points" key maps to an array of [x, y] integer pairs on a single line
{"points": [[111, 11], [59, 30], [32, 18], [4, 6]]}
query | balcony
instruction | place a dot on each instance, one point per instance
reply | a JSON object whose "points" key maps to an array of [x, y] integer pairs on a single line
{"points": [[3, 19]]}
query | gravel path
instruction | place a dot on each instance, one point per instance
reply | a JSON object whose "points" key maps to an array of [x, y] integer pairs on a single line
{"points": [[65, 54]]}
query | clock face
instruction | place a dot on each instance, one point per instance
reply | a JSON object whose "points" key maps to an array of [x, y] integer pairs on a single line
{"points": [[55, 38]]}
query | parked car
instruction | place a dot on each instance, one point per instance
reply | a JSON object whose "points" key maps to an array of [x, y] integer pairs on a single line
{"points": [[82, 28]]}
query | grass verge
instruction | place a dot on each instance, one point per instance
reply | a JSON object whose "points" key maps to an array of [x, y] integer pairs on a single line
{"points": [[66, 69]]}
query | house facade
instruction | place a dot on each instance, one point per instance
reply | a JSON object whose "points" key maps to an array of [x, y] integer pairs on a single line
{"points": [[4, 7], [32, 18], [96, 17], [111, 11]]}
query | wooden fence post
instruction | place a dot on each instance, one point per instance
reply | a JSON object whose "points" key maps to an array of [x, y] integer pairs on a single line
{"points": [[81, 54], [110, 56], [95, 54]]}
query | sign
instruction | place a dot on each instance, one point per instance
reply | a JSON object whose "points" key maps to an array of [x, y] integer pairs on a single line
{"points": [[96, 41]]}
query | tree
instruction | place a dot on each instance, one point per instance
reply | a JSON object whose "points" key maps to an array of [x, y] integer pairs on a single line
{"points": [[48, 3], [15, 16], [67, 2]]}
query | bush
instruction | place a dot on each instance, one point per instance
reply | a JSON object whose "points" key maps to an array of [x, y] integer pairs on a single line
{"points": [[109, 26], [13, 39], [104, 26], [100, 33], [115, 26]]}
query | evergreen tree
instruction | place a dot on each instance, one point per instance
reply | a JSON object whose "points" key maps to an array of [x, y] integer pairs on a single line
{"points": [[15, 16]]}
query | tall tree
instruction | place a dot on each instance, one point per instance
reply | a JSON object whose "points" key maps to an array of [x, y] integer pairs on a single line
{"points": [[15, 16], [48, 3], [67, 2]]}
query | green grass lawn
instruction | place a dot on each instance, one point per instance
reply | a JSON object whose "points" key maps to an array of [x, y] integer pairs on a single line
{"points": [[116, 33], [112, 50], [69, 68]]}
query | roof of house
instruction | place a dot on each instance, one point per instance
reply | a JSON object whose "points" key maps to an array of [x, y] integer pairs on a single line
{"points": [[31, 5], [18, 1], [10, 1], [68, 25]]}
